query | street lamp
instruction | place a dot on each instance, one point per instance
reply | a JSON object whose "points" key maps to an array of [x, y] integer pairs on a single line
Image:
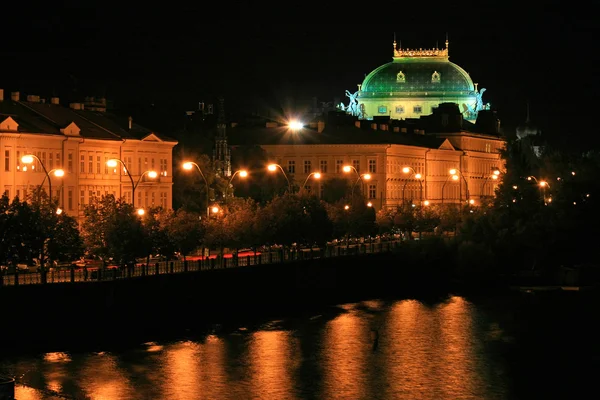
{"points": [[542, 184], [29, 158], [494, 176], [113, 162], [188, 165], [317, 175], [347, 169], [456, 175], [273, 168], [418, 177], [243, 174]]}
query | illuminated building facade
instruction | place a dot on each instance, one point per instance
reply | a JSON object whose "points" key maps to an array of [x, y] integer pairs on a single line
{"points": [[80, 140]]}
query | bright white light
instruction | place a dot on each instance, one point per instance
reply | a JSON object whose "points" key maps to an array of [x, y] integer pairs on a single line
{"points": [[152, 174], [59, 211], [369, 204], [454, 177], [215, 209], [59, 172], [406, 170], [243, 173], [452, 171], [418, 176], [27, 159], [272, 167], [317, 175], [188, 165], [367, 176], [426, 202], [112, 163], [295, 125], [496, 172], [346, 207], [347, 168], [141, 211]]}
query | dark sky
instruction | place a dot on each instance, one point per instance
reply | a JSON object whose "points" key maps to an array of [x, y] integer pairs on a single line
{"points": [[176, 55]]}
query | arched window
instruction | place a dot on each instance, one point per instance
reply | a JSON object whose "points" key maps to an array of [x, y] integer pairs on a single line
{"points": [[436, 77]]}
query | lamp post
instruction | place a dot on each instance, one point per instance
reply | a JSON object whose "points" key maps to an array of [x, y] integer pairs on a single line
{"points": [[188, 165], [347, 169], [113, 162], [542, 184], [317, 175], [418, 177], [456, 175], [494, 176], [243, 173], [28, 159], [273, 168]]}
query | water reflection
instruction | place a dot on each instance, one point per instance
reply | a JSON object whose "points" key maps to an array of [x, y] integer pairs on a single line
{"points": [[370, 350]]}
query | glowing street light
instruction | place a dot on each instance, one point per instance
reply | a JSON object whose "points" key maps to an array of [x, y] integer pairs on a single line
{"points": [[419, 178], [316, 175], [243, 174], [29, 158], [188, 165], [141, 212], [295, 125], [273, 167], [113, 162]]}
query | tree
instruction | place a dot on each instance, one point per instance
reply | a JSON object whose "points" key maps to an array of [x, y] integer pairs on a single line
{"points": [[336, 189], [112, 229], [185, 230]]}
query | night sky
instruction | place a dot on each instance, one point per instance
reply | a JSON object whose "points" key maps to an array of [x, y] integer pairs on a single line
{"points": [[177, 55]]}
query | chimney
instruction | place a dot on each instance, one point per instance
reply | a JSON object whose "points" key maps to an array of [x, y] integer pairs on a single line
{"points": [[76, 106], [130, 121], [14, 96], [1, 94], [54, 100], [33, 98]]}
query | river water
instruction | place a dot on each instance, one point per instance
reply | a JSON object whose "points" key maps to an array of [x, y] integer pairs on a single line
{"points": [[511, 346]]}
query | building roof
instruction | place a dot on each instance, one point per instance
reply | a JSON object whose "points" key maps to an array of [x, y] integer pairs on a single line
{"points": [[418, 73], [47, 118]]}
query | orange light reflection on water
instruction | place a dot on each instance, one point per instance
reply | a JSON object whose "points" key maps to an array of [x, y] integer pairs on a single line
{"points": [[271, 365], [346, 345]]}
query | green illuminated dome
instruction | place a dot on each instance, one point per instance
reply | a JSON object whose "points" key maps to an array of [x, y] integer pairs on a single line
{"points": [[415, 82]]}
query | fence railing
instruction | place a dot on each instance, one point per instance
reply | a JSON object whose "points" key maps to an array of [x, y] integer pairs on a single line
{"points": [[277, 256]]}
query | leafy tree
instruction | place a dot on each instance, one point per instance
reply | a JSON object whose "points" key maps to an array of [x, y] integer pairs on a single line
{"points": [[185, 230], [67, 244], [112, 229], [336, 189]]}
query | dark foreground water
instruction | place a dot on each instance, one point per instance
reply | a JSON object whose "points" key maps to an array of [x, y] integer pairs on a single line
{"points": [[518, 346]]}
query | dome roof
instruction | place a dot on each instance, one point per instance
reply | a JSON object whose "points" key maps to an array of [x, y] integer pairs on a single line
{"points": [[416, 73]]}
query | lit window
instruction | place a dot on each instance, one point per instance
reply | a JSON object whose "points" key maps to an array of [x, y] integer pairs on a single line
{"points": [[417, 109], [382, 109], [435, 77], [400, 77], [399, 109]]}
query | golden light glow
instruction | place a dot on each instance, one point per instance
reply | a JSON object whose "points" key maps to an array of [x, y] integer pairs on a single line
{"points": [[59, 172], [346, 207], [367, 176], [27, 159], [295, 125], [152, 174], [317, 175], [455, 177], [347, 168], [471, 201], [215, 209], [494, 177], [452, 171], [426, 202], [243, 173], [272, 167], [141, 211], [59, 211], [369, 204], [496, 172], [418, 176], [406, 170], [188, 165], [543, 183], [515, 187], [112, 163]]}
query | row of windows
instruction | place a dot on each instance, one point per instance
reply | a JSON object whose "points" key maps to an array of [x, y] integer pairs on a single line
{"points": [[324, 166], [436, 77], [88, 163], [400, 109]]}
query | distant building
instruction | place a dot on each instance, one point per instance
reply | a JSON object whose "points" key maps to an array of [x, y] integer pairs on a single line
{"points": [[430, 146], [80, 138]]}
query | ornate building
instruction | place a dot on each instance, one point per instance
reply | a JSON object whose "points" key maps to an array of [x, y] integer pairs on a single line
{"points": [[413, 84], [80, 141], [411, 122]]}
